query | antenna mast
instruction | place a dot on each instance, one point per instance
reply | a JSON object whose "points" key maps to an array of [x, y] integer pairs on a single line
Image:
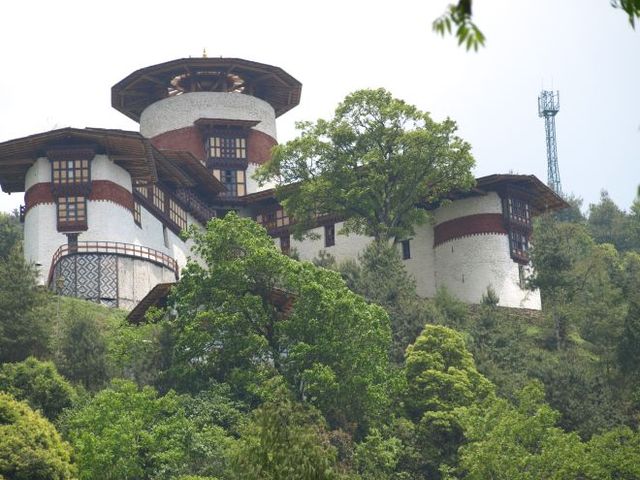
{"points": [[548, 106]]}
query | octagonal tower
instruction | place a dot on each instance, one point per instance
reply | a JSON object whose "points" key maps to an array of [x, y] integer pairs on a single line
{"points": [[221, 110]]}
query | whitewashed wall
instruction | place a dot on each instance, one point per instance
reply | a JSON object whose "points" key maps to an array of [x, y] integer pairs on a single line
{"points": [[468, 266], [181, 111], [106, 221]]}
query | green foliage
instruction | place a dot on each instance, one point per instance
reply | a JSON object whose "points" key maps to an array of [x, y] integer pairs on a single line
{"points": [[30, 447], [82, 351], [376, 458], [39, 384], [459, 16], [524, 442], [608, 224], [10, 233], [442, 381], [253, 313], [128, 433], [23, 329], [285, 441], [371, 164], [381, 278]]}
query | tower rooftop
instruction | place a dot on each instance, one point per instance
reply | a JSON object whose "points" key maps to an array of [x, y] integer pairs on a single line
{"points": [[234, 75]]}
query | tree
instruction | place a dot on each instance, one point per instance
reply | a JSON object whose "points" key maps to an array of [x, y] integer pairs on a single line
{"points": [[380, 276], [608, 224], [129, 433], [442, 381], [521, 442], [38, 383], [10, 233], [248, 313], [524, 442], [30, 447], [460, 16], [371, 164], [24, 330], [82, 351], [285, 441]]}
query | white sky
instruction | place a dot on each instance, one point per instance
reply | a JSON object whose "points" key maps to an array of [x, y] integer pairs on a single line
{"points": [[60, 59]]}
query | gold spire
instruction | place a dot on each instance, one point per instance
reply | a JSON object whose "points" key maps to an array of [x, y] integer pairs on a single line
{"points": [[204, 53]]}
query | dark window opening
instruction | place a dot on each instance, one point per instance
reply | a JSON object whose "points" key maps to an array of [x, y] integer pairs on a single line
{"points": [[329, 235], [233, 180], [285, 244], [406, 249], [519, 245], [137, 214]]}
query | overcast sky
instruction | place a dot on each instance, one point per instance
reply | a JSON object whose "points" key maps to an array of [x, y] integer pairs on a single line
{"points": [[60, 59]]}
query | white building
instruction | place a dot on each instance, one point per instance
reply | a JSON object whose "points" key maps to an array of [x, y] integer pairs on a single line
{"points": [[104, 208]]}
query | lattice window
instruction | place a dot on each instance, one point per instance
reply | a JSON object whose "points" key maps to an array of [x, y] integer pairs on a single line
{"points": [[177, 214], [234, 181], [272, 220], [72, 211], [227, 147], [70, 172], [137, 213], [158, 198], [142, 189], [519, 244], [518, 210]]}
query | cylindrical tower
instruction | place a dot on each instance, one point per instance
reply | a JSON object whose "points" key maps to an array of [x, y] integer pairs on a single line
{"points": [[221, 110]]}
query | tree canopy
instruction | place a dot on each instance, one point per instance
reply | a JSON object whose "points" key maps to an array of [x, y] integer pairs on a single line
{"points": [[30, 447], [248, 313], [369, 165]]}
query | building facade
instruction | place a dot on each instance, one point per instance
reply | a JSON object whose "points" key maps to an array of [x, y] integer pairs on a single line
{"points": [[104, 208]]}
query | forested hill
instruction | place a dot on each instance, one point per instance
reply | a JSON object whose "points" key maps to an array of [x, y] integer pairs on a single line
{"points": [[359, 379]]}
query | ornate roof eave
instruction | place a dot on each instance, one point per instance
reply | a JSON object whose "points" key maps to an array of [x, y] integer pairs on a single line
{"points": [[127, 149], [147, 85]]}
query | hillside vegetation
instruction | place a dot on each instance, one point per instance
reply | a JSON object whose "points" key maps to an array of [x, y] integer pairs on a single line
{"points": [[357, 379]]}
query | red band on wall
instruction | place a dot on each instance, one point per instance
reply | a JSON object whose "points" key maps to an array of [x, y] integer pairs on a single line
{"points": [[101, 190], [481, 223], [190, 139]]}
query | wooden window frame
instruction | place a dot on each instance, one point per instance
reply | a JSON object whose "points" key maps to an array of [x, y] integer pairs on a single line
{"points": [[137, 213], [237, 186], [227, 146], [74, 218]]}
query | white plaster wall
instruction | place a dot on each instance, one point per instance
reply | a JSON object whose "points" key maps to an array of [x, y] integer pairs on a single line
{"points": [[467, 266], [41, 238], [489, 203], [252, 185], [103, 168], [39, 172], [421, 265], [346, 247], [136, 278], [181, 111]]}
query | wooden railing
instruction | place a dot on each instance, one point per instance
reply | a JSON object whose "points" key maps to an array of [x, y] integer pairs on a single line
{"points": [[117, 248]]}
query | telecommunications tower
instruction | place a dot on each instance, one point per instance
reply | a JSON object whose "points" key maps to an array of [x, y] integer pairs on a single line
{"points": [[548, 106]]}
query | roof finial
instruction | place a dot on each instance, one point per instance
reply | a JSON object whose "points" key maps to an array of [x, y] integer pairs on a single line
{"points": [[204, 53]]}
